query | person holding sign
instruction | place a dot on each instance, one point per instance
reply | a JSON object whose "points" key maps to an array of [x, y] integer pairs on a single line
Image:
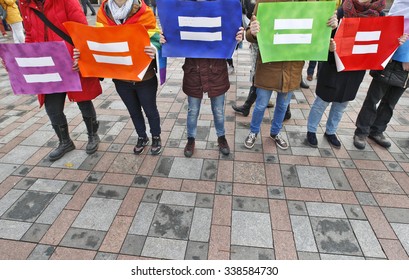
{"points": [[335, 87], [37, 30], [281, 76], [137, 95]]}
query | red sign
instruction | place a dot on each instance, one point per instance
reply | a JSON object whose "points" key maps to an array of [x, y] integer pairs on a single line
{"points": [[367, 43]]}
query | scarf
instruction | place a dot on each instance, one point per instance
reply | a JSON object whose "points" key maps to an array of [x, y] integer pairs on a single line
{"points": [[353, 8], [119, 14]]}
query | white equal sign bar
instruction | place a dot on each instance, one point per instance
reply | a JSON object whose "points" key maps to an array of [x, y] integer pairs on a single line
{"points": [[43, 61], [117, 47], [366, 36], [43, 78], [293, 24], [200, 22]]}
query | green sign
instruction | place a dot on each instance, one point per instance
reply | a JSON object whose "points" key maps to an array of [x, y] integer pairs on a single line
{"points": [[291, 31]]}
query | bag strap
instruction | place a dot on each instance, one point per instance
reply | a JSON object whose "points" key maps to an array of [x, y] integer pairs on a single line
{"points": [[54, 28]]}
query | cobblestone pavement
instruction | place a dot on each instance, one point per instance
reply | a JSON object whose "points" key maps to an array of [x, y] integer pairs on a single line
{"points": [[302, 203]]}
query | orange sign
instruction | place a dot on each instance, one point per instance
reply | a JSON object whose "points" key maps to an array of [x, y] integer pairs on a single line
{"points": [[111, 52]]}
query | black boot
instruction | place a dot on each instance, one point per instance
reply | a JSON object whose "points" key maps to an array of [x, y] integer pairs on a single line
{"points": [[93, 138], [65, 145], [287, 115], [245, 108]]}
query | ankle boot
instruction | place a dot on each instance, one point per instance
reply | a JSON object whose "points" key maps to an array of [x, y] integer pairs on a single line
{"points": [[93, 138], [65, 144], [245, 108]]}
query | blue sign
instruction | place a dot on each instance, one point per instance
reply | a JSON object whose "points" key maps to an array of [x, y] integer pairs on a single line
{"points": [[199, 29], [402, 53]]}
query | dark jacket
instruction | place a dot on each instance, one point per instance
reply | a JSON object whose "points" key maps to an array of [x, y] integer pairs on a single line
{"points": [[205, 75]]}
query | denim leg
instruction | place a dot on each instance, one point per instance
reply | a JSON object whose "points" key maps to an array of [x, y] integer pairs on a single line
{"points": [[311, 67], [263, 96], [54, 106], [385, 109], [192, 115], [218, 113], [316, 112], [335, 116], [87, 109], [282, 101]]}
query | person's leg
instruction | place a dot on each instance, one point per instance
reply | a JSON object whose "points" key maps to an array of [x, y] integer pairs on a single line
{"points": [[282, 102], [310, 70], [191, 124], [84, 6], [217, 104], [91, 8], [54, 106], [90, 118], [314, 118], [251, 98], [18, 32], [334, 117]]}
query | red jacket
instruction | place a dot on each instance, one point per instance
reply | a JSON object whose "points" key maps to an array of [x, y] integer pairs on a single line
{"points": [[58, 12]]}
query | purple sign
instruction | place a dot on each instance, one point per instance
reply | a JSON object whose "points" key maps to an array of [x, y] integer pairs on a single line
{"points": [[40, 68]]}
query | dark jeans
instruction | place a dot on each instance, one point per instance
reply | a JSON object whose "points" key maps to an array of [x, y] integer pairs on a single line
{"points": [[54, 106], [372, 120], [138, 96], [86, 3]]}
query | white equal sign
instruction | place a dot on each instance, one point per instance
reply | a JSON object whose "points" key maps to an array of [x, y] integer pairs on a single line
{"points": [[293, 24], [45, 61], [201, 22], [118, 47], [366, 36]]}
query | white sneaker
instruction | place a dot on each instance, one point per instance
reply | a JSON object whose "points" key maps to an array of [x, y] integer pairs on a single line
{"points": [[250, 140]]}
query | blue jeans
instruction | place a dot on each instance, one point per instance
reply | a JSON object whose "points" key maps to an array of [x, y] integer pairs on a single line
{"points": [[311, 67], [335, 115], [217, 104], [282, 101], [138, 96]]}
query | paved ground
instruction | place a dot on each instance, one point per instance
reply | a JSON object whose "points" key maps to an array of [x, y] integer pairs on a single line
{"points": [[303, 203]]}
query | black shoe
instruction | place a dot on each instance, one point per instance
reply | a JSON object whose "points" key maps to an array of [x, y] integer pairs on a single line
{"points": [[140, 145], [65, 145], [93, 139], [223, 145], [242, 109], [156, 148], [312, 139], [190, 147], [381, 140], [270, 104], [93, 14], [333, 140], [287, 115], [303, 84]]}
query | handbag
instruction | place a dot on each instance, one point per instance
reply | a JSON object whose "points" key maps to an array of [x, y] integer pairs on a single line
{"points": [[393, 75]]}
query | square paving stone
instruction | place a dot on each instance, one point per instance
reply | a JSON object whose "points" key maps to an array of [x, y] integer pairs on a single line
{"points": [[125, 163], [39, 138], [251, 229], [186, 168], [354, 212], [224, 188], [54, 209], [367, 239], [297, 208], [164, 248], [241, 203], [94, 177], [209, 171], [70, 188], [163, 166], [204, 200], [289, 175], [133, 245], [275, 192], [45, 185], [41, 252], [401, 231], [314, 177], [326, 153], [249, 172], [172, 221], [200, 228], [23, 170], [196, 250], [140, 181], [12, 229], [396, 215], [366, 198], [72, 160], [82, 238], [270, 158], [35, 233], [346, 163], [178, 198], [319, 209], [251, 253], [110, 192], [101, 256], [339, 179], [152, 195], [6, 170], [143, 219], [303, 235], [9, 199], [19, 155], [29, 206], [25, 183], [97, 214], [335, 236], [91, 161], [381, 182]]}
